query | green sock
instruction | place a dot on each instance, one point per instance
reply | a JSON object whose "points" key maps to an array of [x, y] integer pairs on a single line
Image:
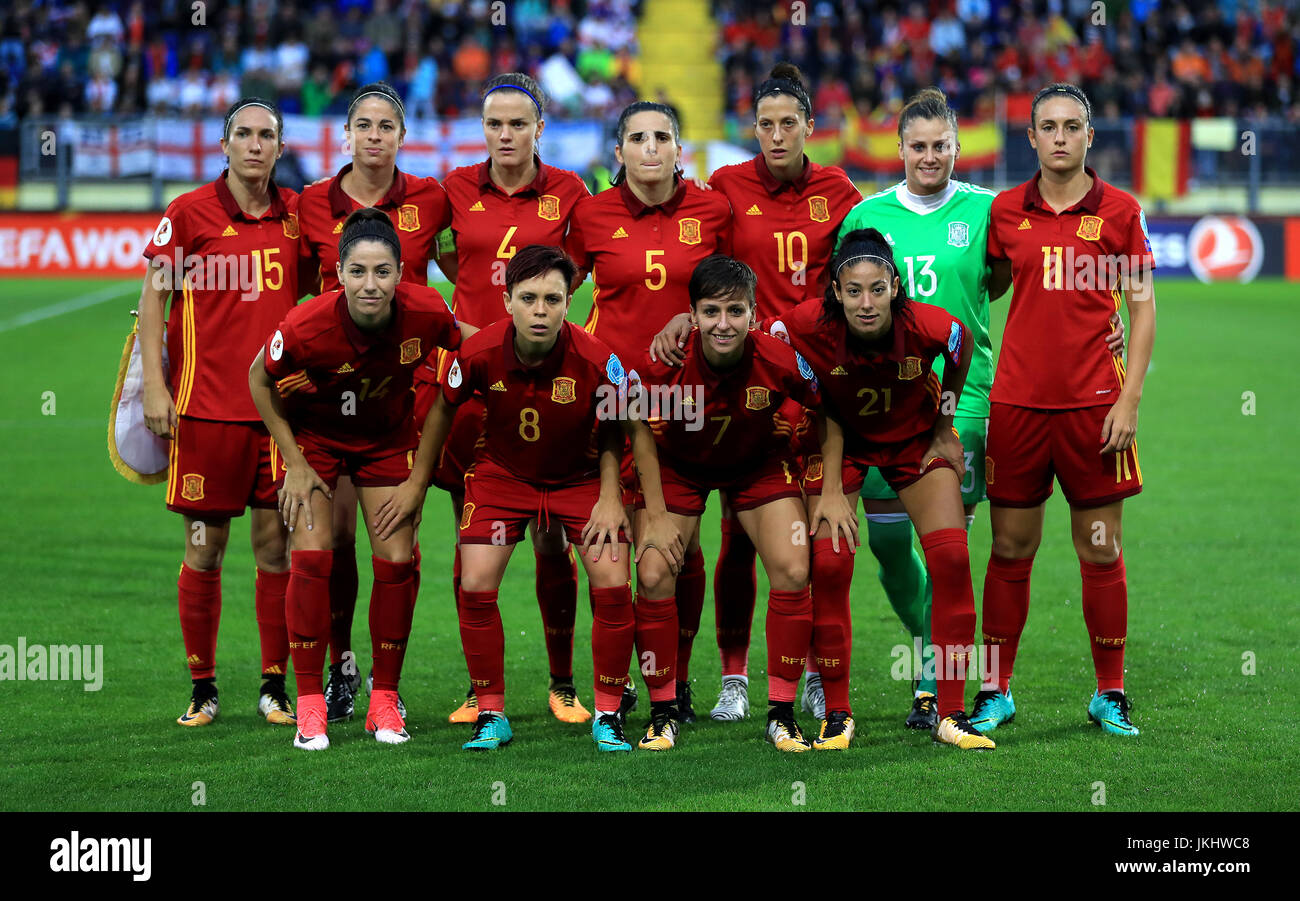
{"points": [[906, 583]]}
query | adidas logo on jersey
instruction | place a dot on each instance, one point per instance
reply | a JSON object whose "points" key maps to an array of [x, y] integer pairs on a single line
{"points": [[498, 385], [619, 234], [753, 211], [1023, 226], [230, 232], [839, 370], [338, 227], [345, 368], [477, 207]]}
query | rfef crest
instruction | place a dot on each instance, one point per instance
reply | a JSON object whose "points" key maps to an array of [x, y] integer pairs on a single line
{"points": [[410, 351], [548, 207], [562, 390], [688, 231], [408, 217], [1090, 228], [817, 209]]}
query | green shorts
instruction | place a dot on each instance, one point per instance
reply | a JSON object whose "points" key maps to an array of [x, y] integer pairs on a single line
{"points": [[972, 431]]}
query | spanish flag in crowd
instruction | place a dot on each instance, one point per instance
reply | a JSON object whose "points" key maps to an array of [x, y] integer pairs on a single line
{"points": [[874, 145], [1161, 158]]}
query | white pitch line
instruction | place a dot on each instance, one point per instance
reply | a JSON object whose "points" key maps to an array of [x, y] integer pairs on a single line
{"points": [[121, 289]]}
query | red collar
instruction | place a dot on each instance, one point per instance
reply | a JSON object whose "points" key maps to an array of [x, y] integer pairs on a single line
{"points": [[1090, 203], [669, 206], [536, 186], [846, 352], [341, 203], [548, 367], [364, 341], [234, 211], [775, 186], [708, 375]]}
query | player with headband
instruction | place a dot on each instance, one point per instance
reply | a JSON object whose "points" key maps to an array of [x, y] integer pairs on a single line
{"points": [[375, 128], [509, 201], [220, 451], [873, 349], [333, 385], [1062, 405]]}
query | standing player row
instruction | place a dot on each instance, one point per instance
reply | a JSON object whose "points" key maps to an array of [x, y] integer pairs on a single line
{"points": [[649, 212]]}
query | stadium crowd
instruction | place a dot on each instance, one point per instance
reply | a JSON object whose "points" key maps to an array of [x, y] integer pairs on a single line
{"points": [[1181, 59], [131, 57]]}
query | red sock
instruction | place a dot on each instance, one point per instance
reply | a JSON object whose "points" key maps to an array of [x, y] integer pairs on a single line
{"points": [[268, 601], [455, 574], [484, 641], [952, 615], [199, 592], [832, 637], [307, 616], [1105, 612], [343, 599], [735, 585], [392, 604], [656, 645], [557, 596], [1006, 607], [690, 604], [415, 561], [789, 630], [613, 631]]}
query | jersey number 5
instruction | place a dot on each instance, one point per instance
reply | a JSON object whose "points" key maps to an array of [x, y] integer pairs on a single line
{"points": [[658, 269]]}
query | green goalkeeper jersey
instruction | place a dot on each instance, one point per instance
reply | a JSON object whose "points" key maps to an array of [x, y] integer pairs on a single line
{"points": [[939, 246]]}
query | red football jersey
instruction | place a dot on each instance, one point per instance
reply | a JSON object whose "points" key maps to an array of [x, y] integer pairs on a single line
{"points": [[349, 388], [491, 226], [1053, 350], [541, 422], [785, 231], [417, 206], [879, 398], [241, 277], [713, 425], [641, 258]]}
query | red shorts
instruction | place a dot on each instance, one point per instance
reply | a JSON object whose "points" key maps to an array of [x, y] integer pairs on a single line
{"points": [[685, 494], [906, 467], [379, 469], [462, 441], [217, 469], [498, 506], [1027, 447]]}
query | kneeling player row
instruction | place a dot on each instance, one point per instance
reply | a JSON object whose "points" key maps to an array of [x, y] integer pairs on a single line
{"points": [[332, 386]]}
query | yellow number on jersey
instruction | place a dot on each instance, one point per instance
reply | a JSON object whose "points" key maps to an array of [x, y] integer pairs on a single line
{"points": [[657, 268], [529, 428]]}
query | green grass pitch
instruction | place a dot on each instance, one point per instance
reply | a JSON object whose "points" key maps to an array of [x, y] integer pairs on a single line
{"points": [[88, 558]]}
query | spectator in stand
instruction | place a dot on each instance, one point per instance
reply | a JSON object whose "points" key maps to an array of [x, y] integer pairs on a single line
{"points": [[471, 61], [193, 93], [258, 65], [223, 91], [101, 94], [383, 29], [946, 34], [1189, 64], [316, 91], [291, 59]]}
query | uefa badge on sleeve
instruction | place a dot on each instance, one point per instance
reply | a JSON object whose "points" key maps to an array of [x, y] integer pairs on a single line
{"points": [[614, 371]]}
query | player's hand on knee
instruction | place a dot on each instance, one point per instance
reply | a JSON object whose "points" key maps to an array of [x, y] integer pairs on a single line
{"points": [[838, 514], [300, 482], [404, 503], [607, 517], [662, 535]]}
